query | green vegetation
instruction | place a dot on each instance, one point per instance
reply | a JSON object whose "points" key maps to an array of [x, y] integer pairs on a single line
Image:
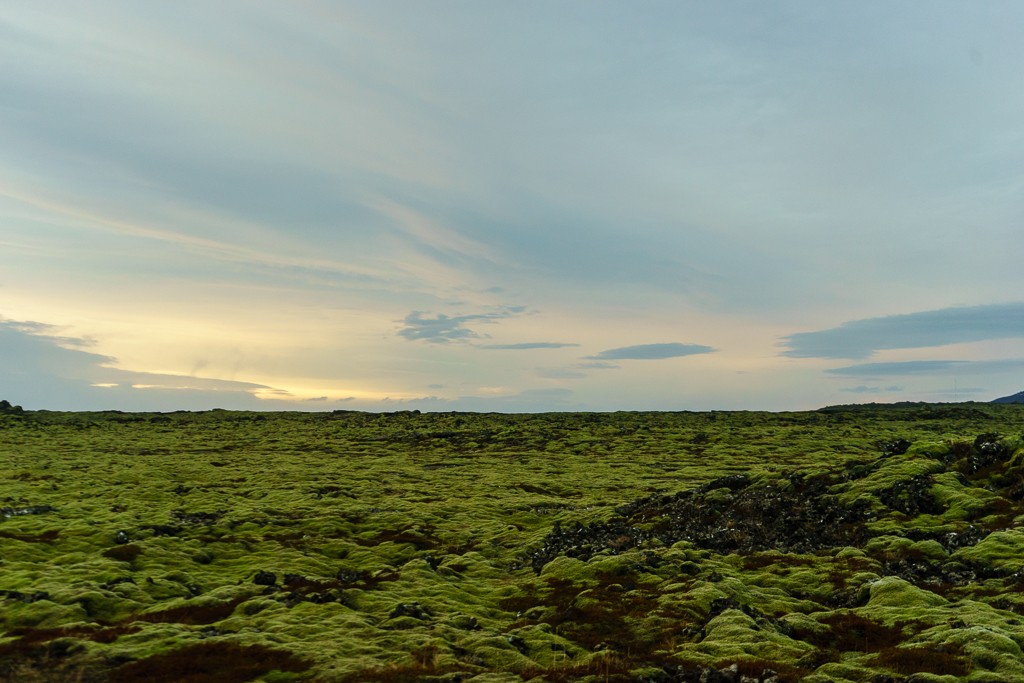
{"points": [[845, 544]]}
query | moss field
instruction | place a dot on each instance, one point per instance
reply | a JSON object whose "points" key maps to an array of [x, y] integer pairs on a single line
{"points": [[858, 543]]}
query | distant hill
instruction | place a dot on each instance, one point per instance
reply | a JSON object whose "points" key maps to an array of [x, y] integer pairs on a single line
{"points": [[1016, 398]]}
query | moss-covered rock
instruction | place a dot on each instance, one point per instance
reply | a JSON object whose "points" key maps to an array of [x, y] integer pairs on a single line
{"points": [[667, 545]]}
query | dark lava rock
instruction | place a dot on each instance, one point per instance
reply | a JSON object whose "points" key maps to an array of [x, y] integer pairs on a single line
{"points": [[122, 537], [987, 451], [409, 609], [351, 575], [970, 536], [197, 518], [518, 643], [7, 513], [719, 605], [932, 575], [25, 597], [265, 578], [950, 540], [325, 597], [847, 598], [730, 673], [894, 447], [795, 515], [912, 496], [733, 482], [687, 673]]}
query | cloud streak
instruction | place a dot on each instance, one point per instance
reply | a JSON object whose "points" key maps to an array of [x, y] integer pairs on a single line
{"points": [[527, 401], [863, 389], [652, 352], [930, 367], [862, 338], [559, 373], [525, 346]]}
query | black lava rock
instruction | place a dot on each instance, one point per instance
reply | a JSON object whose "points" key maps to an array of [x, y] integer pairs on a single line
{"points": [[409, 609], [264, 578], [795, 516], [912, 497]]}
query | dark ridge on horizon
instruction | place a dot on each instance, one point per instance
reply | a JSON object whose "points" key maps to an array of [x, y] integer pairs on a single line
{"points": [[6, 407]]}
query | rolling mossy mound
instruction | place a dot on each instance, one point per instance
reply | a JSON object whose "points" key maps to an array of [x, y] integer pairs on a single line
{"points": [[849, 544]]}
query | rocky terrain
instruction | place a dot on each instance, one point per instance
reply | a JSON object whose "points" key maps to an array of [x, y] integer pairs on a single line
{"points": [[849, 544]]}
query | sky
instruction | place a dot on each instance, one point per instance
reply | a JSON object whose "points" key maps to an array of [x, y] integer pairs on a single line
{"points": [[539, 205]]}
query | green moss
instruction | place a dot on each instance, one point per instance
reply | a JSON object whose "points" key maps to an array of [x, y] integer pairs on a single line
{"points": [[840, 672], [891, 591], [999, 549], [734, 635], [41, 614], [928, 549], [887, 547], [373, 511], [962, 502]]}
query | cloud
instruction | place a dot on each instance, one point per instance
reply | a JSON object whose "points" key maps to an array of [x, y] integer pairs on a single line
{"points": [[386, 172], [559, 373], [598, 365], [444, 329], [862, 389], [525, 346], [527, 401], [930, 367], [43, 370], [959, 393], [652, 351], [862, 338]]}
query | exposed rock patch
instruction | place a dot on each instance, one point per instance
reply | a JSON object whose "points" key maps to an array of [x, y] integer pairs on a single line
{"points": [[728, 515], [800, 514], [8, 512]]}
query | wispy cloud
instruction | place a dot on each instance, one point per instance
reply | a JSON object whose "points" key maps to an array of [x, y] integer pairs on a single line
{"points": [[559, 373], [598, 365], [862, 338], [231, 250], [343, 164], [31, 329], [863, 389], [929, 367], [652, 351], [525, 346], [432, 235], [529, 400], [444, 329]]}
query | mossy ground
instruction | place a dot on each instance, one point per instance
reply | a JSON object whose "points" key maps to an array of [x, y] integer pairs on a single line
{"points": [[225, 546]]}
